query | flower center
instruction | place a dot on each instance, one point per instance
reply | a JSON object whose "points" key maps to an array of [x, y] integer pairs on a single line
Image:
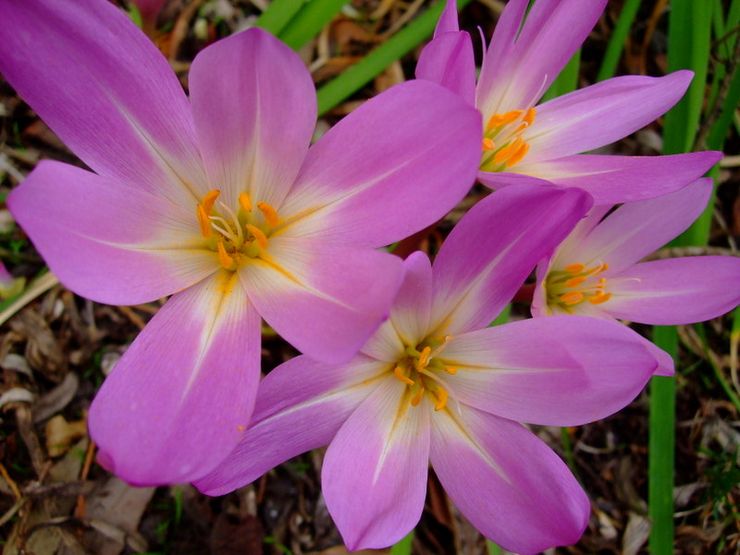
{"points": [[235, 235], [503, 146], [576, 284], [420, 370]]}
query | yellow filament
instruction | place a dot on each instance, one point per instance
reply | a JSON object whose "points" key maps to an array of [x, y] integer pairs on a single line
{"points": [[245, 202], [508, 151], [258, 234], [574, 268], [600, 298], [424, 357], [416, 399], [226, 260], [574, 297], [442, 396], [399, 373], [210, 199], [204, 222], [270, 214], [488, 144]]}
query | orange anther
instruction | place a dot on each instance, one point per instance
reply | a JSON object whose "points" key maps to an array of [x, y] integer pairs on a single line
{"points": [[442, 396], [258, 234], [600, 298], [226, 260], [399, 373], [451, 370], [424, 357], [574, 297], [530, 115], [245, 202], [416, 399], [204, 222], [574, 282], [210, 199], [518, 155], [576, 268], [270, 214], [488, 144], [502, 155]]}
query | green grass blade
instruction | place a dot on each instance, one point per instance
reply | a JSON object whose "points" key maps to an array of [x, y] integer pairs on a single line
{"points": [[361, 73], [493, 549], [278, 14], [309, 21], [567, 81], [404, 546], [616, 42]]}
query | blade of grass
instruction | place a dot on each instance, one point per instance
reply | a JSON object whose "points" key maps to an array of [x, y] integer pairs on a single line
{"points": [[404, 546], [278, 14], [361, 73], [567, 81], [616, 42], [493, 549], [309, 21]]}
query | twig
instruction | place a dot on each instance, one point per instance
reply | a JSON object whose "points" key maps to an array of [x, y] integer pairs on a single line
{"points": [[35, 289], [11, 483]]}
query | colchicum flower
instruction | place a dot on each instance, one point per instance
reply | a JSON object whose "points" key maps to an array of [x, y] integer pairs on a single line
{"points": [[219, 202], [523, 139], [597, 270], [434, 384]]}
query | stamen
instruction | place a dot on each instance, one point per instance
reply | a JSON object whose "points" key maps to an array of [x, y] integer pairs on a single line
{"points": [[502, 155], [600, 298], [270, 214], [442, 396], [398, 371], [258, 234], [574, 282], [530, 115], [245, 202], [571, 298], [235, 224], [518, 155], [416, 399], [226, 260], [574, 268], [204, 222], [451, 370], [424, 358], [497, 120], [209, 200], [488, 144]]}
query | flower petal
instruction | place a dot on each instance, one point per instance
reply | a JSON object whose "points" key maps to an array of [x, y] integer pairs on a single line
{"points": [[518, 68], [448, 60], [106, 240], [254, 105], [637, 229], [375, 470], [180, 398], [447, 20], [323, 298], [300, 406], [507, 482], [105, 89], [371, 181], [601, 114], [559, 371], [492, 250], [677, 291]]}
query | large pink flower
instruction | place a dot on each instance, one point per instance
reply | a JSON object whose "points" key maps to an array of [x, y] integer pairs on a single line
{"points": [[219, 202], [435, 384], [524, 139], [597, 271]]}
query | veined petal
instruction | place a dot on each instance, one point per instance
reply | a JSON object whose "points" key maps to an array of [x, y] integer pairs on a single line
{"points": [[506, 481], [254, 105], [492, 250], [375, 470], [300, 406], [559, 371], [447, 20], [106, 240], [636, 229], [601, 114], [180, 398], [676, 291], [325, 299], [519, 68], [105, 89], [371, 181], [499, 180], [616, 179], [449, 61]]}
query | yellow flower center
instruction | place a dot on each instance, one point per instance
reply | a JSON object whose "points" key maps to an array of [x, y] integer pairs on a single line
{"points": [[576, 284], [235, 235], [420, 370], [503, 146]]}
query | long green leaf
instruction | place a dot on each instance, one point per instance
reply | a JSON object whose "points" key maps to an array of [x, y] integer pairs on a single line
{"points": [[567, 81], [404, 546], [309, 21], [278, 14], [616, 42]]}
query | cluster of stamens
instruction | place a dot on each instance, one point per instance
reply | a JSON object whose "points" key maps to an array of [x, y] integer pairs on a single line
{"points": [[576, 284], [503, 146], [234, 235], [419, 369]]}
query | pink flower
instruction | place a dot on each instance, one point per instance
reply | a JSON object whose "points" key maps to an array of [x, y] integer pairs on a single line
{"points": [[434, 384], [219, 202], [597, 271], [525, 140]]}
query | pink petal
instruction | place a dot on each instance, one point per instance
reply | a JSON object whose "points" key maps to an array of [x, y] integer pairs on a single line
{"points": [[254, 105], [106, 240], [507, 482], [617, 179], [180, 398], [448, 20], [559, 371], [372, 181], [601, 114], [325, 299], [492, 250], [375, 470], [105, 89], [517, 71], [300, 406], [448, 60], [674, 292]]}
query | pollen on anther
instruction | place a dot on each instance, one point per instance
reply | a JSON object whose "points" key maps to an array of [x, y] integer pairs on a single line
{"points": [[416, 399], [488, 144], [424, 357], [576, 268], [270, 214], [210, 199], [600, 298], [226, 260], [245, 202], [451, 370], [442, 396], [204, 222], [572, 298], [258, 234], [398, 372]]}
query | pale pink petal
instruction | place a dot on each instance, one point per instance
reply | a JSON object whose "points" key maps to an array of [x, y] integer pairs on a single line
{"points": [[300, 406], [254, 105], [392, 167], [413, 305], [507, 482], [325, 299], [499, 180], [105, 89], [514, 76], [492, 250], [375, 470], [449, 61], [180, 398], [677, 291], [616, 179], [559, 371], [106, 240], [601, 114], [448, 20]]}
